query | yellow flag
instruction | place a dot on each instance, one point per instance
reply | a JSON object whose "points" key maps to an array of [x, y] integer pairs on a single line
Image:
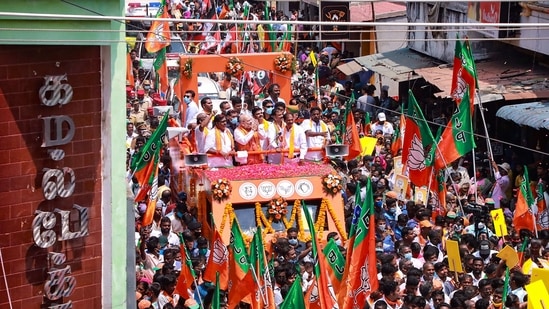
{"points": [[313, 58], [540, 274], [499, 222], [510, 256], [538, 298], [368, 145], [454, 260]]}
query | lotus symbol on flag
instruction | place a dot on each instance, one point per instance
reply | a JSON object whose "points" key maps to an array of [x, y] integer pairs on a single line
{"points": [[416, 155], [220, 252], [158, 33], [543, 219], [461, 85]]}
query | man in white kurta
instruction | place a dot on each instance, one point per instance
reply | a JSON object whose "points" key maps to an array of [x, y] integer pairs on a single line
{"points": [[317, 134], [220, 143]]}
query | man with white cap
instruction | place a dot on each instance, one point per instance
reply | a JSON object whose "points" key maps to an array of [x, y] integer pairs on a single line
{"points": [[501, 174], [382, 125]]}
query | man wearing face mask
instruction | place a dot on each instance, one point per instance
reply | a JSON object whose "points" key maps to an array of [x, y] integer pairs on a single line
{"points": [[192, 109], [390, 213], [268, 110]]}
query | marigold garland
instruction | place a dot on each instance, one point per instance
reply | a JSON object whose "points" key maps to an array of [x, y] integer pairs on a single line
{"points": [[277, 208], [188, 68], [320, 223], [284, 62], [221, 189], [332, 183], [234, 67], [228, 212], [264, 222]]}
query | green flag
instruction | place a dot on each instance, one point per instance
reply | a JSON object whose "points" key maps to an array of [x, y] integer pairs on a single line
{"points": [[257, 254], [336, 261], [417, 141], [457, 139], [294, 299], [151, 147], [238, 247]]}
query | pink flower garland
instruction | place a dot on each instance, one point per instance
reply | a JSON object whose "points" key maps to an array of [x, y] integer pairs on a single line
{"points": [[264, 171]]}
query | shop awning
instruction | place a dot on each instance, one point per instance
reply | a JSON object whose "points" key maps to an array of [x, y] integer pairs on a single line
{"points": [[398, 65], [535, 114]]}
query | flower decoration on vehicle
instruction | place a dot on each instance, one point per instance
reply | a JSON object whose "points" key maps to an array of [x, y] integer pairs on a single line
{"points": [[188, 68], [221, 189], [235, 67], [278, 207], [285, 62], [332, 183]]}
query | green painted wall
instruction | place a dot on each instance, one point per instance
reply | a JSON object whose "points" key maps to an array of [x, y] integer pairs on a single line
{"points": [[118, 259]]}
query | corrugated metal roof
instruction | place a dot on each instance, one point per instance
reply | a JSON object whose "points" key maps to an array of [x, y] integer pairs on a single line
{"points": [[399, 65], [535, 115]]}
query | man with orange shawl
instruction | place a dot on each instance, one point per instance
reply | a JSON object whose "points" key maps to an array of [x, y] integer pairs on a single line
{"points": [[247, 139]]}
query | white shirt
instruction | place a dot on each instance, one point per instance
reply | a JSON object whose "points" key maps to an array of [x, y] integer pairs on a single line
{"points": [[191, 112], [266, 133], [279, 100], [300, 141], [200, 137], [386, 128], [173, 239], [226, 146], [315, 141]]}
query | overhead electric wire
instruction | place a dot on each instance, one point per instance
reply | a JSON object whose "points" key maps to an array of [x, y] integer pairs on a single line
{"points": [[280, 22]]}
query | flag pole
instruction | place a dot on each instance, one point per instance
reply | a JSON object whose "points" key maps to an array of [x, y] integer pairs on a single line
{"points": [[474, 171], [451, 180], [263, 297], [488, 144]]}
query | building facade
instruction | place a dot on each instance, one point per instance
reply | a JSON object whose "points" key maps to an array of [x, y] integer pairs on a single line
{"points": [[64, 221]]}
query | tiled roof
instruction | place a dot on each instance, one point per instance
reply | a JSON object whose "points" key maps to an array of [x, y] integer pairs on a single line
{"points": [[362, 11], [512, 80]]}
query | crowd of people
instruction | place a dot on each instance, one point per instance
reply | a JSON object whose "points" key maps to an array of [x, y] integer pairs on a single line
{"points": [[411, 253], [410, 249]]}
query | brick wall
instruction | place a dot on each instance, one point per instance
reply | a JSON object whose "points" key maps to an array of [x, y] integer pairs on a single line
{"points": [[22, 160]]}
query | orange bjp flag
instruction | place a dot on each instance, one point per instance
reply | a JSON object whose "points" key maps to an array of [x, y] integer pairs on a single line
{"points": [[159, 35], [218, 262], [186, 276], [129, 71], [360, 270], [352, 138], [523, 217]]}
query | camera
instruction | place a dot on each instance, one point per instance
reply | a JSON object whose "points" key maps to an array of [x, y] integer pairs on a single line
{"points": [[476, 209]]}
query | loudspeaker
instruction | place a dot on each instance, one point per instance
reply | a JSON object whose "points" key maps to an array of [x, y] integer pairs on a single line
{"points": [[161, 110], [175, 131], [196, 159], [337, 150]]}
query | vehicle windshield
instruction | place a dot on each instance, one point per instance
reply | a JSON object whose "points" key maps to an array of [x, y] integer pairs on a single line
{"points": [[176, 47]]}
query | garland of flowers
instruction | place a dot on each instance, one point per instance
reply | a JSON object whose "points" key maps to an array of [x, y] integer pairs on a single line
{"points": [[228, 213], [284, 62], [321, 219], [340, 229], [234, 67], [332, 183], [221, 189], [266, 223], [296, 215], [188, 68], [278, 208], [261, 220]]}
